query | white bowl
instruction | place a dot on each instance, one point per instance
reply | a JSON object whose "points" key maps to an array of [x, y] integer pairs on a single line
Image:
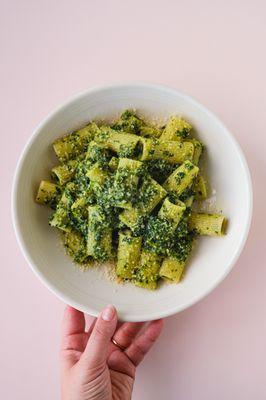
{"points": [[90, 291]]}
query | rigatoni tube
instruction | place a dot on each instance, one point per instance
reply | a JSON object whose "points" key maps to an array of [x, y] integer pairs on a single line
{"points": [[128, 254], [208, 224], [172, 269], [176, 129], [181, 178], [173, 152], [48, 194], [147, 274]]}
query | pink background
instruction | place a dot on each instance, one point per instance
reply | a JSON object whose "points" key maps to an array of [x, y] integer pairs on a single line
{"points": [[213, 50]]}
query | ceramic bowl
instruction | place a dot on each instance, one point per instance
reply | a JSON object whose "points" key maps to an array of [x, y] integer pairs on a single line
{"points": [[90, 291]]}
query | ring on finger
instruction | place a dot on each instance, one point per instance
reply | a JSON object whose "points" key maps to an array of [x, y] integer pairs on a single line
{"points": [[118, 345]]}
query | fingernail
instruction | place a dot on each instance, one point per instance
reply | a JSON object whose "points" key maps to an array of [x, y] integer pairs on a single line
{"points": [[108, 313]]}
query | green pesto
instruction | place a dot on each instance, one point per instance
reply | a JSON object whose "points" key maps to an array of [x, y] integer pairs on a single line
{"points": [[128, 122], [158, 236], [146, 275], [124, 192], [126, 182], [128, 254], [160, 169], [97, 153], [99, 244], [79, 217], [62, 218], [150, 194], [183, 241], [80, 178]]}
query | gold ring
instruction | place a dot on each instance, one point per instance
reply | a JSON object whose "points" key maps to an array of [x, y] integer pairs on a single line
{"points": [[118, 345]]}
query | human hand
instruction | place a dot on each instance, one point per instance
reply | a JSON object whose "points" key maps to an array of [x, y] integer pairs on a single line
{"points": [[92, 366]]}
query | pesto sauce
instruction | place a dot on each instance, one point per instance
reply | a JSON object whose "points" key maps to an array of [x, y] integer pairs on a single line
{"points": [[187, 194], [128, 122], [158, 236], [98, 154], [160, 169], [87, 206]]}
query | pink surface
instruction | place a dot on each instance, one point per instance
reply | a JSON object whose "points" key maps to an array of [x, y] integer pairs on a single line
{"points": [[212, 50]]}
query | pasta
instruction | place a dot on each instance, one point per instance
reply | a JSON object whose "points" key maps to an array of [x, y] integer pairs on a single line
{"points": [[173, 265], [128, 254], [96, 174], [200, 188], [48, 194], [208, 224], [150, 194], [130, 123], [172, 212], [113, 163], [99, 242], [124, 193], [123, 144], [172, 269], [63, 173], [176, 129], [75, 246], [60, 218], [76, 143], [181, 178], [173, 152], [147, 273], [198, 149], [126, 182], [160, 229]]}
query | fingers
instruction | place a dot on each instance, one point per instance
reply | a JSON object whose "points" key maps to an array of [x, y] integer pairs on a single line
{"points": [[142, 344], [90, 326], [74, 339], [73, 326], [89, 322], [97, 347], [73, 321], [127, 332], [119, 362]]}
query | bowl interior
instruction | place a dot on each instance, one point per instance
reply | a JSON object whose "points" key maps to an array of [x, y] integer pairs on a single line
{"points": [[90, 291]]}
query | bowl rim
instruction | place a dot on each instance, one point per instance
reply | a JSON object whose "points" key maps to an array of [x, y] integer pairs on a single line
{"points": [[128, 316]]}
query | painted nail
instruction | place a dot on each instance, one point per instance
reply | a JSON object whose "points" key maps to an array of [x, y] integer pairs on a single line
{"points": [[108, 313]]}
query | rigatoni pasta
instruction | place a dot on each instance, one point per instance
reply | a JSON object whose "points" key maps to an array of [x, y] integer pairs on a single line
{"points": [[146, 274], [149, 195], [172, 269], [176, 129], [181, 178], [76, 143], [99, 237], [48, 194], [208, 224], [124, 193], [171, 151], [128, 254]]}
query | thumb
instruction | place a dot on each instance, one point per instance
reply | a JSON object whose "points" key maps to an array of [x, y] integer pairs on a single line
{"points": [[96, 350]]}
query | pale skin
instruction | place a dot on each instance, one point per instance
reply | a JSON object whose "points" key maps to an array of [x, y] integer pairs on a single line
{"points": [[92, 367]]}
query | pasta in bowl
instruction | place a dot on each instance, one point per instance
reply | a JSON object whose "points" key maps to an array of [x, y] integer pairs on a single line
{"points": [[131, 189], [125, 193]]}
